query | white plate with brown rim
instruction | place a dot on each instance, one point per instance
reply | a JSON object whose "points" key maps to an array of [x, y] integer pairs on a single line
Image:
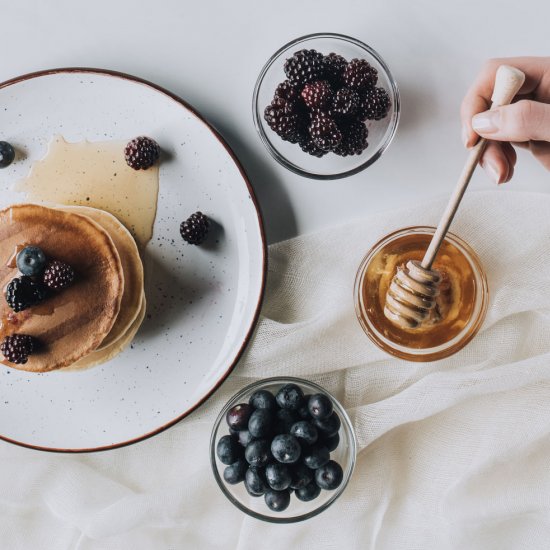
{"points": [[203, 302]]}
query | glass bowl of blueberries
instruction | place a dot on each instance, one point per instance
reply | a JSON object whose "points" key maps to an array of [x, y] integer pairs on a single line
{"points": [[283, 450], [326, 106]]}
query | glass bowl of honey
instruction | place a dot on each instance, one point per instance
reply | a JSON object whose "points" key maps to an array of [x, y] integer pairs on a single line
{"points": [[460, 308]]}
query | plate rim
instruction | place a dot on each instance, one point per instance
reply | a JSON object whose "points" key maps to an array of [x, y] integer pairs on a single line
{"points": [[249, 333]]}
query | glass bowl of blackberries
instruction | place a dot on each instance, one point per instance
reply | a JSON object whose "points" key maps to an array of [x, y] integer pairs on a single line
{"points": [[283, 450], [326, 106]]}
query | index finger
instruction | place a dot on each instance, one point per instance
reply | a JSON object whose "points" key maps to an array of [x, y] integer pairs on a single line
{"points": [[478, 97]]}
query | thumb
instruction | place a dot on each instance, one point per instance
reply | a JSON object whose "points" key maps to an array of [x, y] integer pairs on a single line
{"points": [[521, 121]]}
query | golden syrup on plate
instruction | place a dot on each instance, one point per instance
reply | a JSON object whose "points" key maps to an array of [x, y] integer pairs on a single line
{"points": [[96, 174]]}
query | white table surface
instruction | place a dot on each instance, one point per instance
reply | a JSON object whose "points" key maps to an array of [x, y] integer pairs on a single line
{"points": [[211, 52]]}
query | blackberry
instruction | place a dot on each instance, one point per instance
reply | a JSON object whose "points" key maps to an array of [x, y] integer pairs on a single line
{"points": [[142, 153], [346, 102], [195, 228], [22, 293], [324, 132], [310, 148], [317, 95], [58, 275], [304, 66], [279, 107], [283, 119], [375, 104], [294, 103], [286, 90], [359, 74], [334, 67], [354, 140], [17, 348]]}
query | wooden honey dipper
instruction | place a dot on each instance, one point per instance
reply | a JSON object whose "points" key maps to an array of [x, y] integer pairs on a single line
{"points": [[415, 287]]}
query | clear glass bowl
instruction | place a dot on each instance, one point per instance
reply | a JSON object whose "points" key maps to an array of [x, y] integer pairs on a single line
{"points": [[330, 166], [345, 455], [476, 305]]}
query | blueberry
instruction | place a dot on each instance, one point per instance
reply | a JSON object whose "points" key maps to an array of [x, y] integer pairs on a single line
{"points": [[261, 423], [290, 397], [329, 426], [257, 452], [286, 448], [331, 442], [284, 420], [245, 437], [7, 154], [229, 450], [237, 417], [305, 447], [278, 476], [263, 399], [303, 410], [309, 492], [304, 430], [316, 457], [235, 473], [329, 476], [31, 261], [255, 482], [277, 501], [320, 406], [301, 476]]}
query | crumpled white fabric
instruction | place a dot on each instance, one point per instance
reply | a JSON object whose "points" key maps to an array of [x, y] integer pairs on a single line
{"points": [[453, 454]]}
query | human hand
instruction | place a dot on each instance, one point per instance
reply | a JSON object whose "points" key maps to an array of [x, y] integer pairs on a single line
{"points": [[525, 123]]}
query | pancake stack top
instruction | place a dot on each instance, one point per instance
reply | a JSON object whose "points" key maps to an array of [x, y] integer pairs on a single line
{"points": [[98, 310]]}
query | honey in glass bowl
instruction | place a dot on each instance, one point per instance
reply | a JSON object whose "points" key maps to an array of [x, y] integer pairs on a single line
{"points": [[460, 307]]}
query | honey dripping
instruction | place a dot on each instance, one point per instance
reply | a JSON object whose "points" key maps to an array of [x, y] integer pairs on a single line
{"points": [[95, 174]]}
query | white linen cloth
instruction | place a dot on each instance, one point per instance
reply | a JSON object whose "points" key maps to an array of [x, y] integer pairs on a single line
{"points": [[453, 454]]}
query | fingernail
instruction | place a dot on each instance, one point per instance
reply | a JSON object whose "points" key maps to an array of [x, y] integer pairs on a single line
{"points": [[465, 136], [492, 170], [486, 122]]}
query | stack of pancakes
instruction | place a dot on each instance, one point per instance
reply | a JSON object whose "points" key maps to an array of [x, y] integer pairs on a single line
{"points": [[98, 316]]}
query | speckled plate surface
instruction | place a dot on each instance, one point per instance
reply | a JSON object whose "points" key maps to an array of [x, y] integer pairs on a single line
{"points": [[203, 301]]}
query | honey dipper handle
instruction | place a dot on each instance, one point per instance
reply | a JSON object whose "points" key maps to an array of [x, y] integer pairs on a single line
{"points": [[508, 81]]}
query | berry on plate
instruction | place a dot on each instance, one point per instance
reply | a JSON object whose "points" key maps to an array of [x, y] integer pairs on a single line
{"points": [[23, 293], [7, 154], [17, 348], [58, 275], [194, 229], [31, 261], [142, 153]]}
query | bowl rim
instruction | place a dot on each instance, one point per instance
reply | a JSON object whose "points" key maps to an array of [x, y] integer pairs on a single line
{"points": [[281, 159], [346, 421]]}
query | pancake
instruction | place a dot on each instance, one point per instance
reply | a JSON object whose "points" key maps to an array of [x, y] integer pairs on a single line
{"points": [[99, 357], [73, 322], [132, 269]]}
